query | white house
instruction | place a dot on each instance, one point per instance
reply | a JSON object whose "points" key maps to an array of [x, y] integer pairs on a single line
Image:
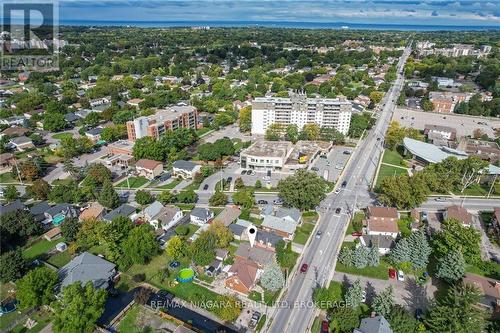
{"points": [[162, 217], [201, 216], [185, 169]]}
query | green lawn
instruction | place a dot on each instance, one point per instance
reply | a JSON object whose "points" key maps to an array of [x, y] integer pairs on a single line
{"points": [[8, 177], [42, 318], [8, 318], [255, 296], [356, 220], [60, 136], [310, 217], [479, 190], [60, 259], [135, 182], [380, 272], [315, 326], [203, 131], [489, 269], [302, 233], [170, 185], [388, 171], [61, 181], [261, 323], [392, 157], [129, 323], [270, 297], [40, 247]]}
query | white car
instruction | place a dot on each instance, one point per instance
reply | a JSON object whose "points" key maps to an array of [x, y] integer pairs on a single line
{"points": [[337, 191], [363, 299], [339, 167], [401, 275]]}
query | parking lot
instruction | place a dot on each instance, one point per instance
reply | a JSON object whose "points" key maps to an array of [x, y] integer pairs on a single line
{"points": [[465, 125], [333, 164]]}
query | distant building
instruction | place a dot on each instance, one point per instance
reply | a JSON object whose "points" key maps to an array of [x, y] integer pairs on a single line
{"points": [[485, 150], [172, 118], [443, 132], [201, 216], [300, 110], [489, 289], [185, 169], [123, 210], [458, 213], [445, 102], [121, 147], [22, 143], [382, 221], [148, 168]]}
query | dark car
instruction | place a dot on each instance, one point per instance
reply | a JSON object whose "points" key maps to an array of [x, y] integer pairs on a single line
{"points": [[344, 184], [378, 139], [347, 152], [249, 172], [262, 202], [304, 268], [419, 314], [314, 169], [229, 179], [205, 187], [324, 327], [243, 172], [322, 156], [174, 264], [338, 210]]}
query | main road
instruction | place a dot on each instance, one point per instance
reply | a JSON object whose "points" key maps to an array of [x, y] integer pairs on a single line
{"points": [[296, 311]]}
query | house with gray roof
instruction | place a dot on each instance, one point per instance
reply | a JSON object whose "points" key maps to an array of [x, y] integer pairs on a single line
{"points": [[11, 207], [201, 216], [58, 213], [152, 210], [237, 230], [266, 239], [266, 210], [283, 227], [291, 214], [260, 256], [185, 169], [169, 216], [124, 210], [38, 211], [88, 268], [377, 324], [383, 242], [21, 143]]}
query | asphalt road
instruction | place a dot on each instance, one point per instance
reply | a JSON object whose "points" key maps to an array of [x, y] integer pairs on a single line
{"points": [[297, 312], [471, 204]]}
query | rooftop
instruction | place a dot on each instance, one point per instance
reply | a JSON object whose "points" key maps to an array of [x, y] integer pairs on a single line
{"points": [[280, 224], [147, 164], [87, 267], [263, 148]]}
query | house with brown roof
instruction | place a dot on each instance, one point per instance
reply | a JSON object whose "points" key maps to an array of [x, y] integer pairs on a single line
{"points": [[259, 255], [382, 221], [242, 276], [458, 213], [52, 234], [228, 215], [148, 168], [489, 289], [7, 160], [94, 211]]}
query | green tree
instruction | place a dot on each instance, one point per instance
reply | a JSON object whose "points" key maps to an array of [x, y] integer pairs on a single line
{"points": [[457, 312], [451, 267], [455, 237], [401, 321], [54, 122], [238, 183], [245, 119], [140, 245], [78, 309], [354, 295], [18, 225], [302, 190], [143, 197], [12, 265], [10, 193], [70, 228], [292, 133], [373, 256], [344, 319], [384, 301], [203, 249], [419, 249], [108, 197], [36, 288], [273, 132], [218, 199], [244, 197], [360, 123], [272, 278], [346, 256], [310, 132], [258, 184], [188, 196], [360, 257], [40, 189], [176, 248]]}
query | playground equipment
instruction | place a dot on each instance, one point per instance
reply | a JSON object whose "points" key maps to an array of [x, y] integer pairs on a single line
{"points": [[185, 275]]}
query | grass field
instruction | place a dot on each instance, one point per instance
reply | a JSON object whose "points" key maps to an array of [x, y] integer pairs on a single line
{"points": [[8, 177], [392, 157], [170, 185], [303, 233], [42, 318], [388, 171], [135, 182], [480, 190], [356, 220], [59, 259], [40, 247], [380, 272], [129, 322], [60, 136]]}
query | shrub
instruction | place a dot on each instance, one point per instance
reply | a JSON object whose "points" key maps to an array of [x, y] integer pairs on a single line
{"points": [[182, 230], [139, 277]]}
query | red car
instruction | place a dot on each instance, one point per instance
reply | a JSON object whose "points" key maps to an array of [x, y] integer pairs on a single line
{"points": [[357, 234], [304, 268], [392, 273], [324, 327]]}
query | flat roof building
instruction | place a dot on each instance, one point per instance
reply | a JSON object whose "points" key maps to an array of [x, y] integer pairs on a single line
{"points": [[300, 110], [171, 118]]}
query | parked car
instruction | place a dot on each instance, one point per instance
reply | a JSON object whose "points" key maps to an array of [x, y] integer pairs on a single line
{"points": [[262, 202], [363, 296], [278, 201], [419, 313], [304, 268], [347, 152], [339, 167], [255, 319], [401, 275], [319, 233], [174, 264], [322, 156], [338, 210], [229, 179], [205, 187], [337, 191], [392, 273], [344, 184], [325, 327], [243, 172], [439, 199], [357, 234], [250, 172], [266, 178], [314, 169]]}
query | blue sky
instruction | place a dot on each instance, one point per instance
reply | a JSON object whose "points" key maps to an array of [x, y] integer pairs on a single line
{"points": [[438, 12]]}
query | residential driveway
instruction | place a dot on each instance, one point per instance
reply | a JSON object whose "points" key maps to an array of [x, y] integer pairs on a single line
{"points": [[56, 173], [406, 293], [489, 251]]}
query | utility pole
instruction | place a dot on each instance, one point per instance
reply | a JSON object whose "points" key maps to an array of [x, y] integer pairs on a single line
{"points": [[491, 187], [18, 173]]}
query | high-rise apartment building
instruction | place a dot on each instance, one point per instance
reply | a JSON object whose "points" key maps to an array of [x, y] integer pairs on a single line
{"points": [[300, 110], [171, 118]]}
